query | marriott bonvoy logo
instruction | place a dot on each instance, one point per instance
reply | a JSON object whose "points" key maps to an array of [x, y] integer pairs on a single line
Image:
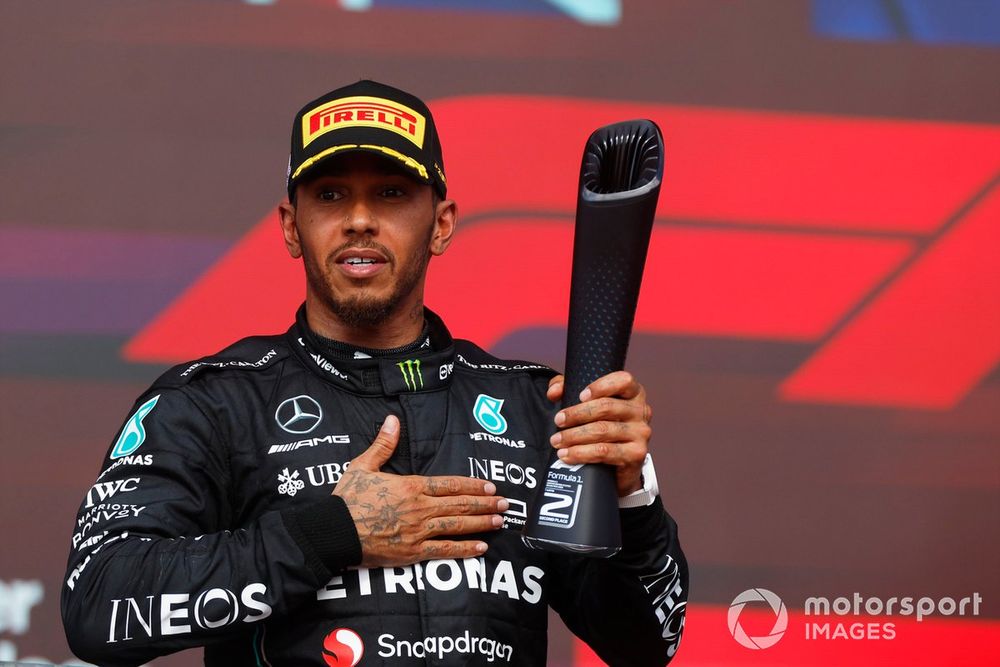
{"points": [[867, 617]]}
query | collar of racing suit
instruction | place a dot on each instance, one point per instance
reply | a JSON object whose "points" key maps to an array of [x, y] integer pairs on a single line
{"points": [[339, 350], [424, 369]]}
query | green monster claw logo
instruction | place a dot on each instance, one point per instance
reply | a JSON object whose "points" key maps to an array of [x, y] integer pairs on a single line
{"points": [[411, 374]]}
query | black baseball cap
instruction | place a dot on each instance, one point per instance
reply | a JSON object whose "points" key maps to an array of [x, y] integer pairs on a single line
{"points": [[367, 116]]}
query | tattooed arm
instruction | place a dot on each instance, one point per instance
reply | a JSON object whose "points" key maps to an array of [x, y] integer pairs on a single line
{"points": [[406, 519]]}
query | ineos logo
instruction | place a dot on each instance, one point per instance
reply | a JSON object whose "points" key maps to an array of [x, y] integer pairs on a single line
{"points": [[216, 594], [780, 618], [300, 414]]}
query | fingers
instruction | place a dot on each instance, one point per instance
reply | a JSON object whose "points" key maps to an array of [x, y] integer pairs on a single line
{"points": [[621, 384], [455, 486], [611, 453], [601, 409], [468, 505], [462, 525], [627, 458], [433, 549], [602, 431], [381, 449], [555, 390], [610, 425]]}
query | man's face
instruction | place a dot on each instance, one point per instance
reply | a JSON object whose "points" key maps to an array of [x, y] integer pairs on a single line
{"points": [[365, 230]]}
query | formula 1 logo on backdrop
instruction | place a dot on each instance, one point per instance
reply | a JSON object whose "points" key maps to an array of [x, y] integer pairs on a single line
{"points": [[824, 237], [343, 648], [780, 618]]}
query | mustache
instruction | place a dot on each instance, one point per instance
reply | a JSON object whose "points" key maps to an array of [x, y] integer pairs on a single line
{"points": [[363, 244]]}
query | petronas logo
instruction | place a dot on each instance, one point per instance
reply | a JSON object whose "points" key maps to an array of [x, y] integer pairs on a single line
{"points": [[487, 413], [411, 374], [133, 434]]}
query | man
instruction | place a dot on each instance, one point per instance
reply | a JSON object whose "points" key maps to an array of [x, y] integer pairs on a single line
{"points": [[352, 492]]}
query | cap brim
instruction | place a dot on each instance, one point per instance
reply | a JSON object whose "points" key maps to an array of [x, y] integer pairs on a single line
{"points": [[409, 164]]}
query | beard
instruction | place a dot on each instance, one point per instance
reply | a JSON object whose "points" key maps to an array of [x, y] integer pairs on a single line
{"points": [[363, 309]]}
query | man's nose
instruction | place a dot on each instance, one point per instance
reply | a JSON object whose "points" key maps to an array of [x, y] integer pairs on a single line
{"points": [[361, 218]]}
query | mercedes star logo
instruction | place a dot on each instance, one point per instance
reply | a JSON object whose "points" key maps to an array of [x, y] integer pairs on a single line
{"points": [[300, 414]]}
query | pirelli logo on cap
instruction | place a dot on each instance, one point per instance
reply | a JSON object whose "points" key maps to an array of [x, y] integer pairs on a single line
{"points": [[363, 112]]}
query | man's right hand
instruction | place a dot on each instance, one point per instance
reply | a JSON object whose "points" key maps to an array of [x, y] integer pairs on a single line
{"points": [[407, 519]]}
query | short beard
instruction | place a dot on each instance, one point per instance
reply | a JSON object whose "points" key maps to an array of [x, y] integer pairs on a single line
{"points": [[363, 311]]}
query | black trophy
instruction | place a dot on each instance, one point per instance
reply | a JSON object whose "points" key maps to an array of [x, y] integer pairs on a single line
{"points": [[576, 508]]}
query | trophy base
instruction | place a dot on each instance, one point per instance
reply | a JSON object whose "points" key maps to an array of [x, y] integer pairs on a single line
{"points": [[565, 547]]}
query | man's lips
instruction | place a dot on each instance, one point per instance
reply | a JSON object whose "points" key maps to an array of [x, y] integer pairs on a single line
{"points": [[360, 262]]}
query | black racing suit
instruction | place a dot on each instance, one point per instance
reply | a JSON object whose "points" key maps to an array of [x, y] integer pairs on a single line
{"points": [[212, 522]]}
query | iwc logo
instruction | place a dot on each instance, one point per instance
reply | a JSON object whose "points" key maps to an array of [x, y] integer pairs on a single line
{"points": [[300, 414], [343, 648], [487, 413], [780, 618]]}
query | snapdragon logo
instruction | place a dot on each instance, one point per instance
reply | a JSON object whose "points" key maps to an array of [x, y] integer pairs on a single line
{"points": [[343, 648], [780, 618], [439, 647]]}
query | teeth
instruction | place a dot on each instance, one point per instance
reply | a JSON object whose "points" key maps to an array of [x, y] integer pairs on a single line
{"points": [[360, 260]]}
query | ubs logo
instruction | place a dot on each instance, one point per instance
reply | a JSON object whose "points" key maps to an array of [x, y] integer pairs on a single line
{"points": [[300, 414]]}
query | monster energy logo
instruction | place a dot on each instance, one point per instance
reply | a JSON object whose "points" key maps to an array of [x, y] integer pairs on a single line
{"points": [[411, 374]]}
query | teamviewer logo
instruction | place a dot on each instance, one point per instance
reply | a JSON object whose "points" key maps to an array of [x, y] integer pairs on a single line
{"points": [[780, 618]]}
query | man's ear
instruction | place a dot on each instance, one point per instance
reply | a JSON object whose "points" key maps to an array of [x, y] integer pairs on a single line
{"points": [[445, 222], [286, 214]]}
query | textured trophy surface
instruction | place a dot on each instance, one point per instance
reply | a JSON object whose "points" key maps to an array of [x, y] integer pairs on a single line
{"points": [[576, 508]]}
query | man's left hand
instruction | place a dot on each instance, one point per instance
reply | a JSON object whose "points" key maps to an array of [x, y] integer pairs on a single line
{"points": [[610, 425]]}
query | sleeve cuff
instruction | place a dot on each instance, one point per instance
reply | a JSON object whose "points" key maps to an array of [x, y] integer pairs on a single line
{"points": [[649, 491], [325, 533]]}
